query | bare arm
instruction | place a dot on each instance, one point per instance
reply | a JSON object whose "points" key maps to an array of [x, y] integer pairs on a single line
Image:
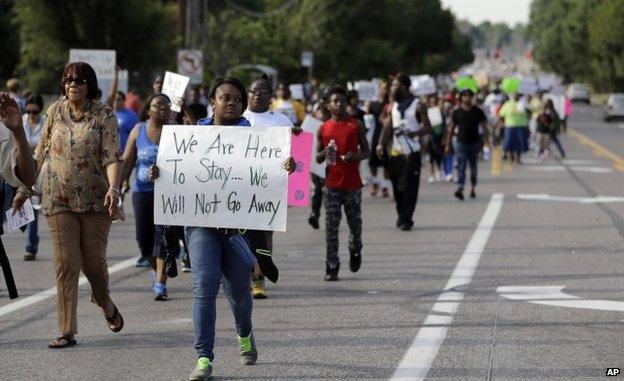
{"points": [[130, 154], [364, 151], [113, 89], [384, 137], [424, 121], [486, 133], [11, 117], [321, 152]]}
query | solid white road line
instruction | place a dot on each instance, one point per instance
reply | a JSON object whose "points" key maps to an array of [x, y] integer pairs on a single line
{"points": [[582, 200], [420, 355], [50, 292]]}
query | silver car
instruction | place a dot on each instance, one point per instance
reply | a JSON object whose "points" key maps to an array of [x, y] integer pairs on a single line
{"points": [[578, 92], [615, 107]]}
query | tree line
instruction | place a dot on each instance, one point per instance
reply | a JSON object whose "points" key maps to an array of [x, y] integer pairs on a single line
{"points": [[350, 39], [581, 40]]}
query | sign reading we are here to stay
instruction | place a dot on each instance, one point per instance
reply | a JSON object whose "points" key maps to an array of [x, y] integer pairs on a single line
{"points": [[222, 177]]}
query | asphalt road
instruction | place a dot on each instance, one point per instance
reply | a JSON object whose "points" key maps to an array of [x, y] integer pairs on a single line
{"points": [[426, 303]]}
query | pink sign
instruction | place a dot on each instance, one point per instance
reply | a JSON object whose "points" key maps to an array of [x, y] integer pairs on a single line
{"points": [[569, 109], [299, 181]]}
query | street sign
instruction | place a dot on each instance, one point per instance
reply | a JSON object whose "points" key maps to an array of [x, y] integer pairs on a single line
{"points": [[307, 58], [191, 64]]}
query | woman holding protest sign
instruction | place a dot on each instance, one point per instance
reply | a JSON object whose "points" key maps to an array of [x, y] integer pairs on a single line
{"points": [[220, 253], [79, 162], [140, 153]]}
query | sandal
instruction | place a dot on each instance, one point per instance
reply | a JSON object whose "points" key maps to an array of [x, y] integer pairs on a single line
{"points": [[116, 322], [62, 341]]}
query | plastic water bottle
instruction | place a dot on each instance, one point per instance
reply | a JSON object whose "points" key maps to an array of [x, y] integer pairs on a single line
{"points": [[331, 154], [487, 154]]}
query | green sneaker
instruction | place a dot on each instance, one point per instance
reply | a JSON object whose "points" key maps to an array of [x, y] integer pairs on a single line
{"points": [[248, 352], [202, 371]]}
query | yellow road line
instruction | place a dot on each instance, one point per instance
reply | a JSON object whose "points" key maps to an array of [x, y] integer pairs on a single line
{"points": [[497, 160], [600, 151]]}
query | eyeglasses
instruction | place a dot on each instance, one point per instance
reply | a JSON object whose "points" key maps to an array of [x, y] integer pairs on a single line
{"points": [[77, 80], [33, 112]]}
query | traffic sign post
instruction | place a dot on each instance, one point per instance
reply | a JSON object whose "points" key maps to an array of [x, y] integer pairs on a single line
{"points": [[191, 64]]}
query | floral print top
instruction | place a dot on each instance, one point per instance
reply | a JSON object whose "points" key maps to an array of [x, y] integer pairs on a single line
{"points": [[77, 158]]}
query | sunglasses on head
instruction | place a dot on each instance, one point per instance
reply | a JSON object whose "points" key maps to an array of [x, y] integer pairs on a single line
{"points": [[33, 112], [77, 80]]}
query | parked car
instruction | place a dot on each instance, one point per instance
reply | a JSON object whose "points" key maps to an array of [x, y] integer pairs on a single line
{"points": [[578, 92], [615, 107]]}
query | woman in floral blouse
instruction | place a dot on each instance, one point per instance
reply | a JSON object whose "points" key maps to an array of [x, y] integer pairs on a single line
{"points": [[79, 147]]}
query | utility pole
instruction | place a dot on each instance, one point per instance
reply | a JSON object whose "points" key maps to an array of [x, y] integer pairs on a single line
{"points": [[182, 23]]}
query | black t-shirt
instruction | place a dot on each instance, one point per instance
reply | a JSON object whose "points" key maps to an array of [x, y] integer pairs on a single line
{"points": [[467, 123]]}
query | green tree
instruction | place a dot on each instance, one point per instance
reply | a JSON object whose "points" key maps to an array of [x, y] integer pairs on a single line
{"points": [[606, 33], [141, 31], [9, 40], [559, 32]]}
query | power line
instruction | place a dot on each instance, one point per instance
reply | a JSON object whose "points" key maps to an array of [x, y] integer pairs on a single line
{"points": [[282, 8]]}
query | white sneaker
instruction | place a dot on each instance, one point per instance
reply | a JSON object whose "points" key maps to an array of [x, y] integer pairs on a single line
{"points": [[448, 178], [430, 180]]}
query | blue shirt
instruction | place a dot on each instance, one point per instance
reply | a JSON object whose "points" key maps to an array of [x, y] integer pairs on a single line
{"points": [[126, 119], [146, 157], [210, 122]]}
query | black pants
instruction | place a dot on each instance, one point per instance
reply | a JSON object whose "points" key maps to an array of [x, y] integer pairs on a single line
{"points": [[148, 235], [317, 195], [405, 177]]}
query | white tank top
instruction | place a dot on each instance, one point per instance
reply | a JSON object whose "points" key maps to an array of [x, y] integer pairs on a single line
{"points": [[401, 143]]}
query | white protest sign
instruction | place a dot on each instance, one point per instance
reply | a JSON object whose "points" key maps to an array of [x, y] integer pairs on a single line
{"points": [[22, 217], [102, 61], [296, 91], [311, 125], [547, 81], [367, 90], [422, 85], [174, 86], [528, 86], [222, 177], [435, 116], [558, 102], [191, 64]]}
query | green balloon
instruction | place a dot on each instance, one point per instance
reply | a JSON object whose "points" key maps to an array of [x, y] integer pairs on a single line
{"points": [[469, 83], [511, 85]]}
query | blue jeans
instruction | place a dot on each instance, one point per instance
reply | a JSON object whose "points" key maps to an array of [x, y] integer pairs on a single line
{"points": [[32, 244], [467, 154], [213, 253]]}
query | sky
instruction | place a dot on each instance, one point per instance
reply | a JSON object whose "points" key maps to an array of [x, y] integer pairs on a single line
{"points": [[477, 11]]}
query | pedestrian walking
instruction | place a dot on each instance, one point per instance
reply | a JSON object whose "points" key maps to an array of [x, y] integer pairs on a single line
{"points": [[285, 104], [465, 122], [381, 112], [342, 143], [435, 145], [80, 159], [33, 121], [321, 112], [549, 125], [140, 154], [259, 115], [220, 253], [408, 124], [514, 115]]}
